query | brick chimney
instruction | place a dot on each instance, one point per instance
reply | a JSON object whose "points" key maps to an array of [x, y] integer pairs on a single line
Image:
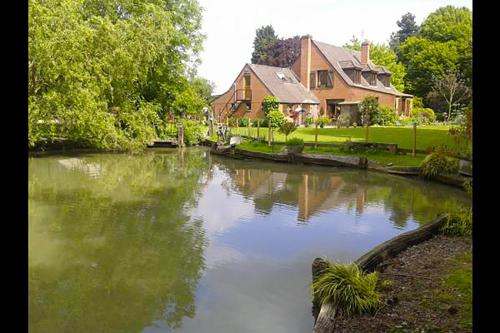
{"points": [[305, 60], [365, 52]]}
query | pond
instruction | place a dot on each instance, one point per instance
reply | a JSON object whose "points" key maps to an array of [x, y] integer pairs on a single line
{"points": [[184, 241]]}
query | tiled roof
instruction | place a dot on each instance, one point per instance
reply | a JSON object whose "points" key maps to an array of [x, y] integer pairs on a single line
{"points": [[283, 84], [341, 58]]}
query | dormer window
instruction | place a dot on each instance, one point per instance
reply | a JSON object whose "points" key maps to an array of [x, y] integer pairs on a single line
{"points": [[281, 76], [357, 77], [372, 79]]}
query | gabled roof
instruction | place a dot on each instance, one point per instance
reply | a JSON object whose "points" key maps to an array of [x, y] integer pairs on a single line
{"points": [[341, 58], [283, 84]]}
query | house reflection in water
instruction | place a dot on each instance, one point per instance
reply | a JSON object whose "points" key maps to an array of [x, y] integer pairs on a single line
{"points": [[312, 194]]}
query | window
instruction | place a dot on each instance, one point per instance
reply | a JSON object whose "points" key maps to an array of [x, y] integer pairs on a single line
{"points": [[247, 80], [373, 79], [312, 80], [357, 76], [325, 79]]}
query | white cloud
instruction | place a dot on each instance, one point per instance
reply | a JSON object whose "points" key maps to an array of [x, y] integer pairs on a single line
{"points": [[230, 26]]}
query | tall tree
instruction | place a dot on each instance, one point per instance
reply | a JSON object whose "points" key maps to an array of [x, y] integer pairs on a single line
{"points": [[407, 28], [264, 37], [451, 89], [443, 43], [283, 52], [120, 66]]}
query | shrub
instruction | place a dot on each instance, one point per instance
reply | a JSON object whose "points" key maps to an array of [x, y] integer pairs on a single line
{"points": [[276, 118], [458, 224], [232, 121], [193, 132], [263, 122], [308, 121], [244, 122], [270, 103], [295, 145], [368, 108], [348, 288], [287, 128], [344, 120], [423, 116], [437, 163], [322, 121], [295, 142], [384, 116]]}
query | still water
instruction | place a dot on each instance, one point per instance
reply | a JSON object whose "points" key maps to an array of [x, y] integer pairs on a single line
{"points": [[182, 241]]}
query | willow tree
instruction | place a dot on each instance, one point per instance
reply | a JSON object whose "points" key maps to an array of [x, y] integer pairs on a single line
{"points": [[104, 73]]}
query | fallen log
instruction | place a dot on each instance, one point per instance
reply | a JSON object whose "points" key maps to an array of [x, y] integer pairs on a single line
{"points": [[325, 317]]}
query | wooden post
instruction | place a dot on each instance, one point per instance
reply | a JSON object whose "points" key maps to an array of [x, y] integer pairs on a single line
{"points": [[269, 134], [211, 123], [248, 125], [258, 126], [180, 135], [316, 136], [366, 133], [414, 139]]}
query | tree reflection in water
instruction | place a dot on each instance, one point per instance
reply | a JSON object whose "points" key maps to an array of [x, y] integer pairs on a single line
{"points": [[114, 251]]}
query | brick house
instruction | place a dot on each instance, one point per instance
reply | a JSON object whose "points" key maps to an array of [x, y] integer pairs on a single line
{"points": [[324, 80]]}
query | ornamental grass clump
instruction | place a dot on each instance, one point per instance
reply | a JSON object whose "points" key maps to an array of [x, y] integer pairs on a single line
{"points": [[437, 163], [348, 289], [458, 224]]}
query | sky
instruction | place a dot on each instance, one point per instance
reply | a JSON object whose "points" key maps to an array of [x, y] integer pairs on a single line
{"points": [[230, 25]]}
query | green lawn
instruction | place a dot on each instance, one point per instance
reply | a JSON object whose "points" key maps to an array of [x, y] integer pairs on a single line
{"points": [[382, 157], [427, 136]]}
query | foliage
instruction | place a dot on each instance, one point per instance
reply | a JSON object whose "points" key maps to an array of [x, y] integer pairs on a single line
{"points": [[264, 37], [263, 122], [437, 163], [322, 121], [287, 128], [368, 108], [417, 102], [407, 28], [116, 73], [458, 223], [270, 103], [343, 120], [422, 116], [463, 132], [275, 118], [232, 121], [385, 116], [282, 53], [308, 121], [295, 142], [444, 43], [347, 288], [193, 131], [245, 121]]}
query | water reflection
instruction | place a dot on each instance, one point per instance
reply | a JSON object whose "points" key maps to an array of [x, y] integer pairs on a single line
{"points": [[181, 241], [112, 251], [315, 190]]}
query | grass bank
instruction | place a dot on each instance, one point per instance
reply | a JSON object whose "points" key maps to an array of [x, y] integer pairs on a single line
{"points": [[427, 136]]}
